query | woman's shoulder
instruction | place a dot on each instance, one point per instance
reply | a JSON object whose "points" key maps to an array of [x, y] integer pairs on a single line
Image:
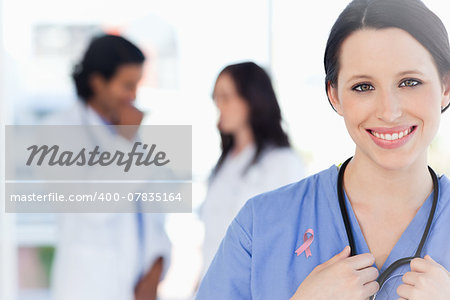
{"points": [[444, 183], [444, 197]]}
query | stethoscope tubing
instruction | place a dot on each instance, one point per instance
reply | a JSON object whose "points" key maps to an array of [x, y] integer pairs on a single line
{"points": [[384, 275]]}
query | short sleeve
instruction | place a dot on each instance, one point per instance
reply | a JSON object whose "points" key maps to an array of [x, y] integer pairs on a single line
{"points": [[229, 274]]}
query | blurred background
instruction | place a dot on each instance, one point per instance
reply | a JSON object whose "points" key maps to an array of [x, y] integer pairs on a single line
{"points": [[187, 43]]}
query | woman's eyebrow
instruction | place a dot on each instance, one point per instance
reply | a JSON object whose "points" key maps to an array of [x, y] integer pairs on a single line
{"points": [[363, 76], [354, 77], [417, 72]]}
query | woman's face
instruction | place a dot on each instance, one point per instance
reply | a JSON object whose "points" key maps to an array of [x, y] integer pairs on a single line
{"points": [[390, 94], [234, 110]]}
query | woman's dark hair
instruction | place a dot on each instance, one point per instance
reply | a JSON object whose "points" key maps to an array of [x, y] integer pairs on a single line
{"points": [[105, 54], [410, 15], [254, 86]]}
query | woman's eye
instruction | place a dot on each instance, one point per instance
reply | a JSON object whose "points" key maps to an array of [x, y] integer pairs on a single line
{"points": [[409, 83], [363, 87]]}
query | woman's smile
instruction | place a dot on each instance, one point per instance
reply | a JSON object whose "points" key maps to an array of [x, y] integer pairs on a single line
{"points": [[390, 138]]}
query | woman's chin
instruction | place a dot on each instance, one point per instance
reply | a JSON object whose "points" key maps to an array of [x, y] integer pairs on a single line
{"points": [[395, 162]]}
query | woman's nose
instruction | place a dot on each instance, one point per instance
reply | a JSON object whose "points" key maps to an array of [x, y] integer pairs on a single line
{"points": [[389, 106]]}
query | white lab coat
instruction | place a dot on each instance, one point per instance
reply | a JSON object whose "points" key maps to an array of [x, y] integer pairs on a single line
{"points": [[229, 189], [97, 255]]}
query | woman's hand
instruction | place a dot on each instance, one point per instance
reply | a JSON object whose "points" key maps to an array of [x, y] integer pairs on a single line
{"points": [[427, 280], [341, 277]]}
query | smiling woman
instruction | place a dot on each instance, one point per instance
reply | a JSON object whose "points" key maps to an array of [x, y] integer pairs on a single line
{"points": [[388, 83], [387, 65]]}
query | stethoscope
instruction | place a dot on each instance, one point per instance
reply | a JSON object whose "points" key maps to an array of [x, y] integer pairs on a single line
{"points": [[383, 276]]}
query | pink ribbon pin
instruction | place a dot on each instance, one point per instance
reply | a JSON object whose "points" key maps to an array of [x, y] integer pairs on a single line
{"points": [[307, 241]]}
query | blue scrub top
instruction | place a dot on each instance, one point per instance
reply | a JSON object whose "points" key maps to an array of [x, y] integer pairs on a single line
{"points": [[257, 259]]}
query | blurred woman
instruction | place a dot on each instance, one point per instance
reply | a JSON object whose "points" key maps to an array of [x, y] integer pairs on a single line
{"points": [[256, 153]]}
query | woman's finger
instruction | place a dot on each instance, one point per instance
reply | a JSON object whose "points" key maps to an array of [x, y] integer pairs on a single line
{"points": [[368, 274], [411, 278], [405, 291], [370, 288], [361, 261], [420, 265]]}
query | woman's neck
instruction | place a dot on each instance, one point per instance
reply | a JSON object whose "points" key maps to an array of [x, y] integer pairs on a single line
{"points": [[374, 187], [242, 139]]}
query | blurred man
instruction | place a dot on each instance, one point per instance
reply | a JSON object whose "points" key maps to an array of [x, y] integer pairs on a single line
{"points": [[116, 255]]}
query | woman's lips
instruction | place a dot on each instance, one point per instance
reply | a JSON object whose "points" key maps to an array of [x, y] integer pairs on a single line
{"points": [[390, 138]]}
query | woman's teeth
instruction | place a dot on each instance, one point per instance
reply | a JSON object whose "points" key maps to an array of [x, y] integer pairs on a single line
{"points": [[393, 136]]}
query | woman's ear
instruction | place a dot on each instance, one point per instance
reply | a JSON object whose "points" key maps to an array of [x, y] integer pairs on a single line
{"points": [[445, 92], [333, 97]]}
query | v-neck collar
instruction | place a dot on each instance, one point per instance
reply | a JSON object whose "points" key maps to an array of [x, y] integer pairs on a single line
{"points": [[406, 246]]}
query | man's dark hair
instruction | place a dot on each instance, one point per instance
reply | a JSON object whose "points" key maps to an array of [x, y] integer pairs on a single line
{"points": [[104, 55]]}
